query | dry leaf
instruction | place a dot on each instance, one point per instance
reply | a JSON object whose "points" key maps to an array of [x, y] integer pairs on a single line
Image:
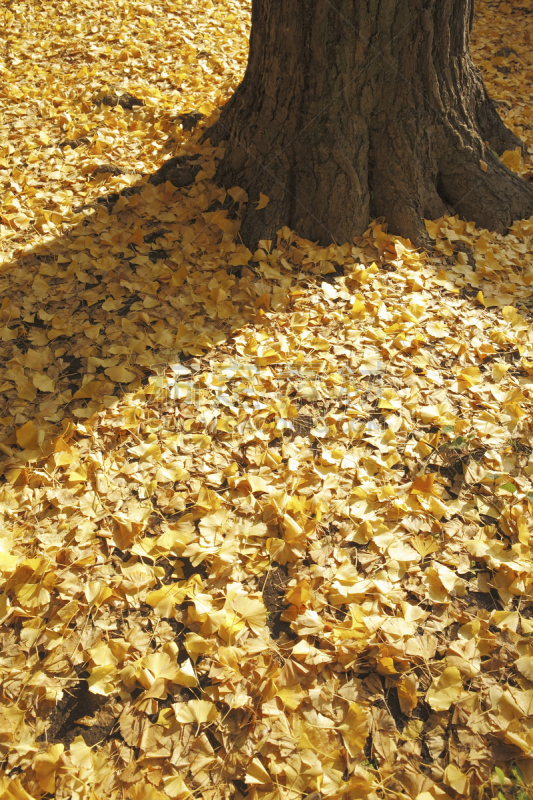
{"points": [[196, 711], [445, 690]]}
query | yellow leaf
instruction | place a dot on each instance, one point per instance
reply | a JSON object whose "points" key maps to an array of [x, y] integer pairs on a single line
{"points": [[299, 320], [471, 375], [354, 730], [506, 620], [8, 562], [407, 696], [32, 595], [81, 754], [165, 600], [197, 711], [196, 645], [499, 369], [101, 679], [27, 436], [256, 773], [412, 730], [525, 666], [88, 390], [257, 484], [186, 675], [43, 383], [263, 301], [137, 237], [483, 165], [292, 696], [78, 475], [456, 780], [424, 545], [8, 334], [436, 793], [389, 399], [145, 791], [176, 788], [213, 526], [292, 529], [300, 594], [445, 690], [437, 329], [65, 457], [385, 666], [161, 665], [21, 221], [263, 201], [15, 791], [423, 484], [123, 202], [146, 450], [512, 159], [92, 331], [120, 374], [46, 765], [253, 611], [523, 529], [237, 194]]}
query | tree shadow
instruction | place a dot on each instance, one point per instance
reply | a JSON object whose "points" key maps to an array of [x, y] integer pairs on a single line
{"points": [[145, 277]]}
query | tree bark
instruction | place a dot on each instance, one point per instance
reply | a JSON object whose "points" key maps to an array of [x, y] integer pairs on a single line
{"points": [[355, 109]]}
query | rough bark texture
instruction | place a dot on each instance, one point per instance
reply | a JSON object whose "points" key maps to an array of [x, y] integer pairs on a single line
{"points": [[356, 109]]}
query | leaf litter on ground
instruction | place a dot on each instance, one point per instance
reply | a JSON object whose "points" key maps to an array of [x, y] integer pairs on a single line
{"points": [[266, 516]]}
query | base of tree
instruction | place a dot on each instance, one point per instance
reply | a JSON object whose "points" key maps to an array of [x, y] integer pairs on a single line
{"points": [[336, 135]]}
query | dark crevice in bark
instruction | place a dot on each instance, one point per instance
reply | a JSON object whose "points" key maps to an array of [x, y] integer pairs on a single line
{"points": [[364, 110]]}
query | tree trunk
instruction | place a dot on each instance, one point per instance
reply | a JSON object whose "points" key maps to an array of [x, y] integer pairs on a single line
{"points": [[355, 109]]}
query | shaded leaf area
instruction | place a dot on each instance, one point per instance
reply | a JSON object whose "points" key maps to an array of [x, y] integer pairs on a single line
{"points": [[266, 517], [124, 100]]}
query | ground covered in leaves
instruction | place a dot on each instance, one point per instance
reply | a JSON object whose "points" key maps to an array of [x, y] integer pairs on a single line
{"points": [[266, 516]]}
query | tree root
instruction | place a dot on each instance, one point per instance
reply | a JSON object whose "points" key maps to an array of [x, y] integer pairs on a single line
{"points": [[484, 190]]}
